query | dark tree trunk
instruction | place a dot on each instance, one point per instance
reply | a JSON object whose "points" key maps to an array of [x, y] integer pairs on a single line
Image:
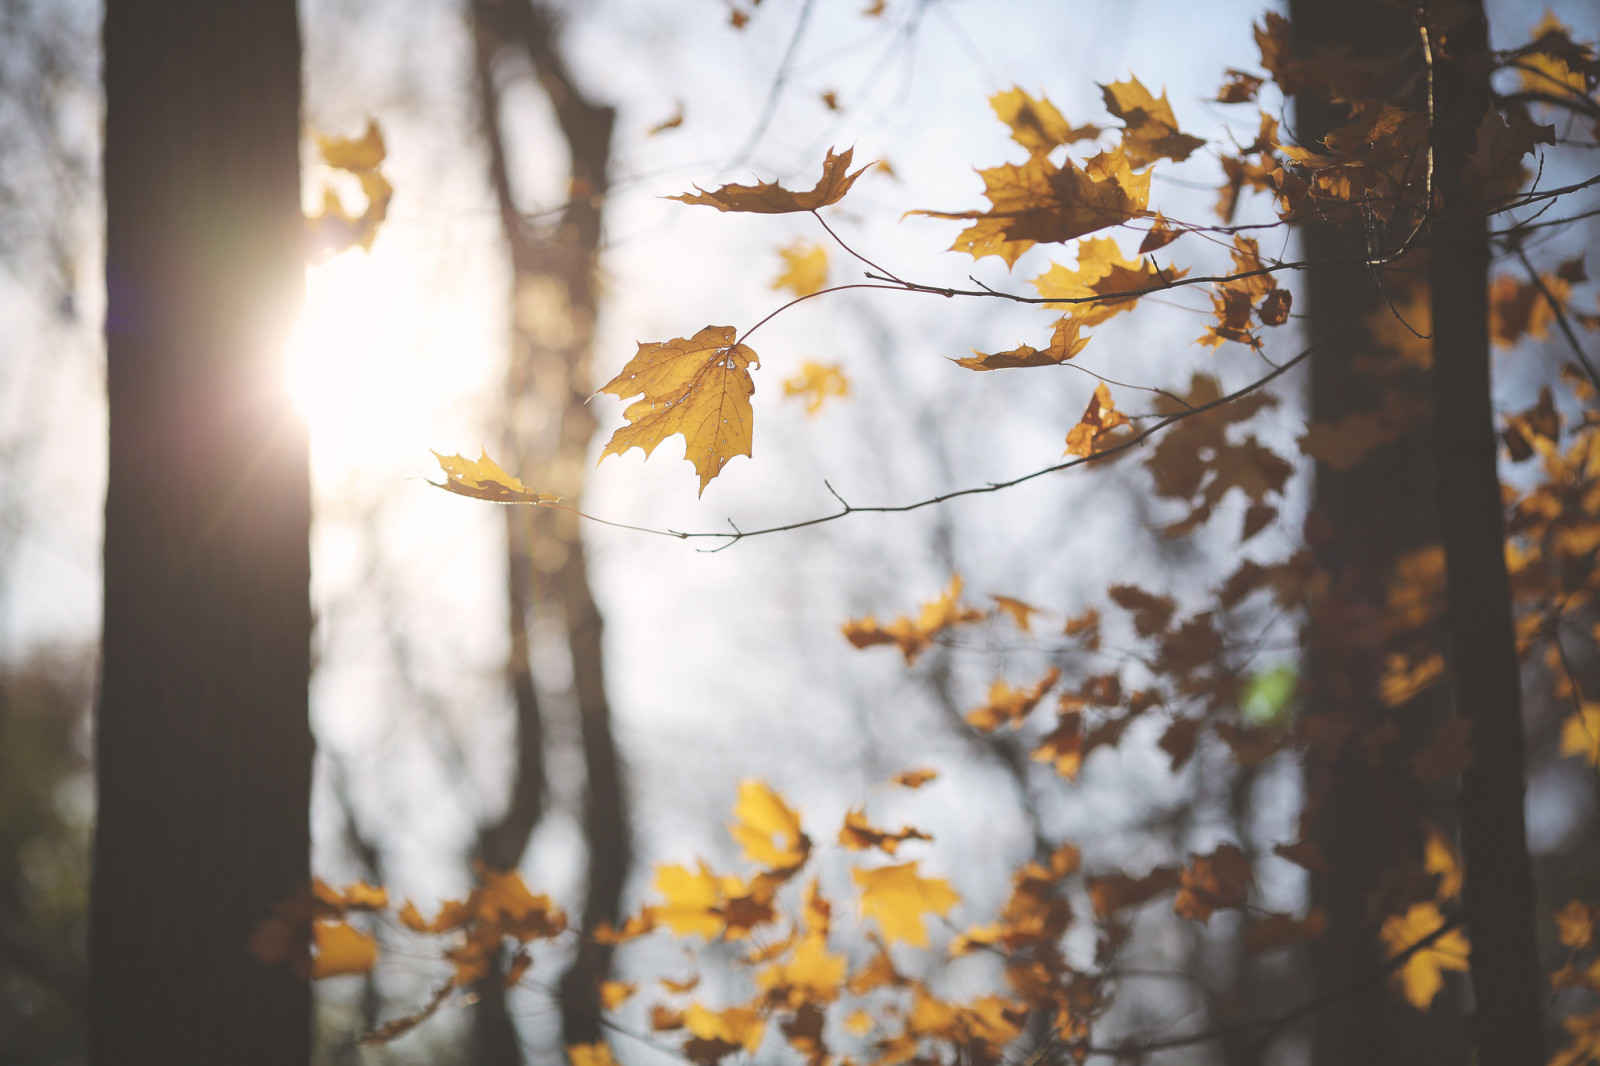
{"points": [[1362, 814], [203, 746], [553, 311], [1499, 888]]}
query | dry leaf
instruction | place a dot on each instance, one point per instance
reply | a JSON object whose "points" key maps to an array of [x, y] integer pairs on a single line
{"points": [[769, 198]]}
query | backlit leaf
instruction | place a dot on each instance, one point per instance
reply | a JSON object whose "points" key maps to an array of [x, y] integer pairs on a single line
{"points": [[482, 479], [698, 388], [342, 949], [815, 383], [1035, 123], [1421, 977], [805, 268], [770, 198], [767, 829], [1065, 344], [898, 898]]}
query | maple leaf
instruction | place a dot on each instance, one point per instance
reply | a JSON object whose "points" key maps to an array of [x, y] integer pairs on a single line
{"points": [[1421, 977], [1151, 129], [1101, 275], [342, 949], [1035, 123], [699, 388], [1111, 893], [858, 834], [333, 229], [1575, 924], [1240, 88], [1021, 613], [614, 994], [770, 198], [1580, 733], [767, 829], [913, 778], [1091, 433], [702, 903], [1010, 706], [815, 382], [1440, 859], [898, 898], [482, 479], [805, 268], [1040, 202], [1214, 882], [1403, 680], [1556, 65], [913, 638], [1063, 346], [1583, 1047], [718, 1034], [812, 974]]}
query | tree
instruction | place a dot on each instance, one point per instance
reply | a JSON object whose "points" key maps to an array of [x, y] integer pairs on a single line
{"points": [[203, 750]]}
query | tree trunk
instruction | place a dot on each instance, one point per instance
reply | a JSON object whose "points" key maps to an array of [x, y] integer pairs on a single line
{"points": [[1499, 888], [203, 745], [1362, 815], [553, 312]]}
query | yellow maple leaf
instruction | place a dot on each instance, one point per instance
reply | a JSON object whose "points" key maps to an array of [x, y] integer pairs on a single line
{"points": [[811, 975], [898, 897], [1064, 344], [740, 1027], [342, 949], [858, 834], [913, 778], [699, 388], [770, 198], [1439, 858], [482, 479], [805, 268], [1580, 733], [1040, 202], [1010, 706], [1021, 613], [614, 994], [1035, 123], [815, 382], [1100, 418], [1151, 130], [767, 829], [914, 637], [1421, 977], [1546, 71], [334, 229], [1102, 271]]}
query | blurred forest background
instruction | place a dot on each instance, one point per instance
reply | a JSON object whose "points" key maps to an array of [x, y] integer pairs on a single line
{"points": [[468, 704]]}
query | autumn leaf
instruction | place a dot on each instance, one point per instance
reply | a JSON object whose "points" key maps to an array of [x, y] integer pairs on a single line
{"points": [[717, 1034], [1421, 977], [811, 974], [767, 829], [1549, 69], [1583, 1035], [858, 834], [1440, 859], [1035, 123], [1101, 275], [1575, 925], [1065, 344], [1580, 733], [1213, 882], [614, 994], [914, 637], [1239, 88], [702, 903], [699, 388], [769, 198], [598, 1054], [899, 898], [342, 949], [333, 228], [805, 268], [1019, 612], [1010, 706], [815, 382], [1040, 202], [1091, 433], [672, 122], [913, 778], [1111, 893], [482, 479], [1151, 130]]}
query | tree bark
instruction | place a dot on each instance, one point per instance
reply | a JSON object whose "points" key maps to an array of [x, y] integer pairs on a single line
{"points": [[1362, 813], [1499, 889], [203, 746], [553, 311]]}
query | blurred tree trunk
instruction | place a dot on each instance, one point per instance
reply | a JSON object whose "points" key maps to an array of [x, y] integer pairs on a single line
{"points": [[548, 428], [1499, 891], [1362, 811], [203, 746]]}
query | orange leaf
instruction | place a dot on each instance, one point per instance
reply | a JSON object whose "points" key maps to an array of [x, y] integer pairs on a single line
{"points": [[898, 898], [770, 198], [1100, 418], [342, 949], [1064, 344]]}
